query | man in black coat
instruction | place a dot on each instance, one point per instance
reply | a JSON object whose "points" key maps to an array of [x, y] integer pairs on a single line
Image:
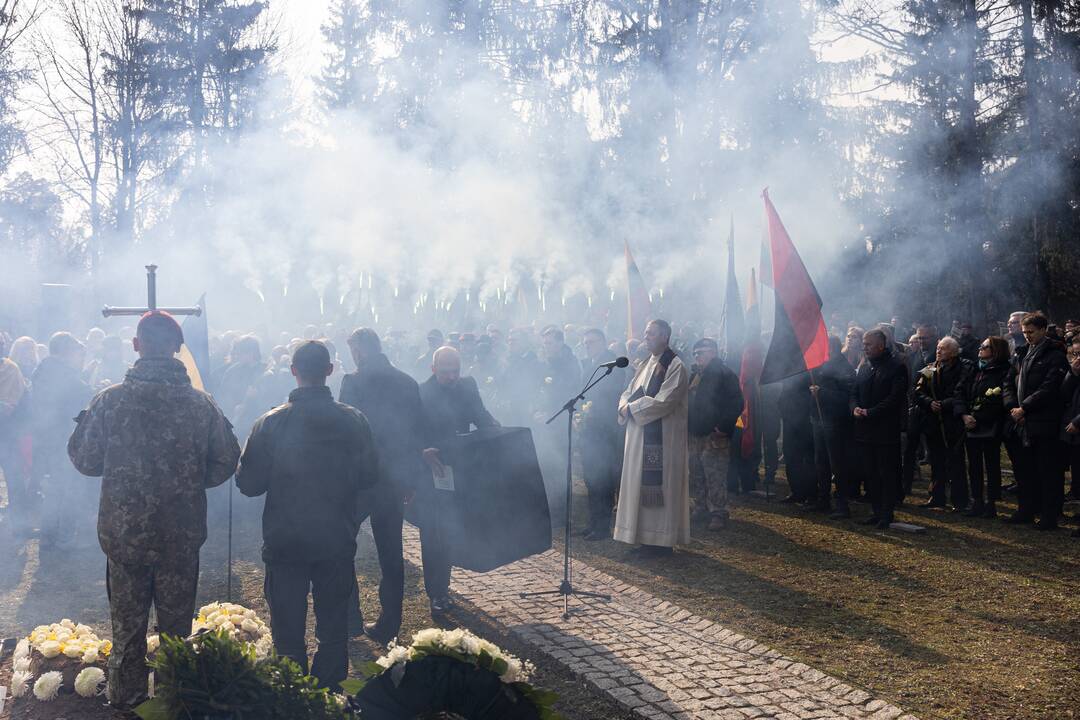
{"points": [[716, 402], [1033, 399], [832, 424], [923, 352], [452, 405], [935, 396], [601, 436], [877, 404], [390, 400], [57, 395], [313, 458]]}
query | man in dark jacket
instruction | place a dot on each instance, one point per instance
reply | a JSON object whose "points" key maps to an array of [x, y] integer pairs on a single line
{"points": [[57, 394], [390, 400], [1034, 402], [601, 436], [877, 404], [832, 424], [716, 401], [935, 396], [313, 458], [452, 405]]}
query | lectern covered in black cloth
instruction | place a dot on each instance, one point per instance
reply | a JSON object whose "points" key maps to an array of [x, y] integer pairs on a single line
{"points": [[497, 512]]}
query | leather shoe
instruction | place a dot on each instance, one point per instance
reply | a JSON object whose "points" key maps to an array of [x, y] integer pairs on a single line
{"points": [[839, 514], [378, 634], [990, 511], [873, 520], [975, 511], [1018, 519], [1046, 526], [933, 504], [441, 605], [883, 525], [791, 500]]}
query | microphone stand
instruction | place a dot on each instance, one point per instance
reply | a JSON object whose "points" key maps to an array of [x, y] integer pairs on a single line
{"points": [[566, 587]]}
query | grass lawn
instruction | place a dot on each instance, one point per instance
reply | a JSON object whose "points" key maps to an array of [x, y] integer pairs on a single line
{"points": [[974, 619]]}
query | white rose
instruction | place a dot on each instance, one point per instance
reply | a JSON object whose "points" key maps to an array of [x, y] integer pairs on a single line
{"points": [[48, 685], [74, 650], [20, 683], [83, 630], [50, 648], [68, 624], [428, 636], [249, 626], [89, 681], [90, 656], [153, 642]]}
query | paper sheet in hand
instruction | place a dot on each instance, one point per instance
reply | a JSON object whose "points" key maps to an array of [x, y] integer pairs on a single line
{"points": [[446, 482]]}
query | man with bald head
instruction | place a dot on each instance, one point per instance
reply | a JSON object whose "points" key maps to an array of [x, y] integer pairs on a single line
{"points": [[452, 405], [935, 390]]}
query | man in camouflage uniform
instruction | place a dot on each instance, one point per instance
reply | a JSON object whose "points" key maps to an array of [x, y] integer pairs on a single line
{"points": [[158, 444]]}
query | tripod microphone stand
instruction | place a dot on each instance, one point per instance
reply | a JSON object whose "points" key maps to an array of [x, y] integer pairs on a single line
{"points": [[566, 587]]}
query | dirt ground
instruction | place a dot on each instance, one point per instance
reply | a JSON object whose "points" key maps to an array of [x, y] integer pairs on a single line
{"points": [[974, 619]]}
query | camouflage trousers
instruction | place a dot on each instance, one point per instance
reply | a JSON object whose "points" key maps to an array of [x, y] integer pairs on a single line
{"points": [[170, 587], [709, 460]]}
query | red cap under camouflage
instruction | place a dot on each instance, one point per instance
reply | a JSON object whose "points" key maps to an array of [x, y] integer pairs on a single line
{"points": [[165, 319]]}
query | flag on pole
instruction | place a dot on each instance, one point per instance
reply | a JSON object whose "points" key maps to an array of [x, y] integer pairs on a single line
{"points": [[800, 341], [765, 262], [638, 304], [195, 352], [750, 371], [732, 320]]}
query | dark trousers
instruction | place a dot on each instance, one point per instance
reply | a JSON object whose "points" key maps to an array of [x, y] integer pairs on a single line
{"points": [[1040, 478], [600, 465], [832, 448], [881, 463], [946, 468], [330, 582], [1071, 454], [435, 555], [984, 468], [799, 458], [387, 515], [132, 588]]}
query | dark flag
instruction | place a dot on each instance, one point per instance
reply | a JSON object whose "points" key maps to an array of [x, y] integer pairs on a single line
{"points": [[638, 304], [800, 341], [195, 352], [732, 317]]}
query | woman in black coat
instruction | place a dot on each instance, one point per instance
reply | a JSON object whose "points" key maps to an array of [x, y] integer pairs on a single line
{"points": [[979, 401]]}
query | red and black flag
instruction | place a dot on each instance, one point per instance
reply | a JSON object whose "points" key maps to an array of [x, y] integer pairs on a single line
{"points": [[638, 304], [750, 372], [800, 341]]}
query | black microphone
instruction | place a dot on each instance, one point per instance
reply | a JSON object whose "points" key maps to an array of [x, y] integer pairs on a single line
{"points": [[617, 362]]}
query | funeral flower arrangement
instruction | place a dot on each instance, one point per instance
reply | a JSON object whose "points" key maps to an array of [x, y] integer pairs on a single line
{"points": [[63, 655], [450, 671], [238, 622]]}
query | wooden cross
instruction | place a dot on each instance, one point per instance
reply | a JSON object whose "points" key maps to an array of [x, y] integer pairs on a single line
{"points": [[151, 301]]}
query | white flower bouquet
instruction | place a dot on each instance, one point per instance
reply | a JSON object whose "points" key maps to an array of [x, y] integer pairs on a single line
{"points": [[239, 622], [61, 655], [451, 666]]}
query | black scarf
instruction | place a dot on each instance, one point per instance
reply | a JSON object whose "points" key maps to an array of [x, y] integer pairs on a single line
{"points": [[652, 466]]}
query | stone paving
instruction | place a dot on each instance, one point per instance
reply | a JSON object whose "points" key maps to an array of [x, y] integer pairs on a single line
{"points": [[652, 656]]}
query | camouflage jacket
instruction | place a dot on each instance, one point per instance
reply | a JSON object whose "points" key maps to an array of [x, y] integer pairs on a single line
{"points": [[157, 444]]}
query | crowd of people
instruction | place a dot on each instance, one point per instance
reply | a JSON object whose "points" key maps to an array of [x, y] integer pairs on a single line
{"points": [[678, 431]]}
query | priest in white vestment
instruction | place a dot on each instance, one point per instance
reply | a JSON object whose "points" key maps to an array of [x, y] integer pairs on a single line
{"points": [[654, 496]]}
